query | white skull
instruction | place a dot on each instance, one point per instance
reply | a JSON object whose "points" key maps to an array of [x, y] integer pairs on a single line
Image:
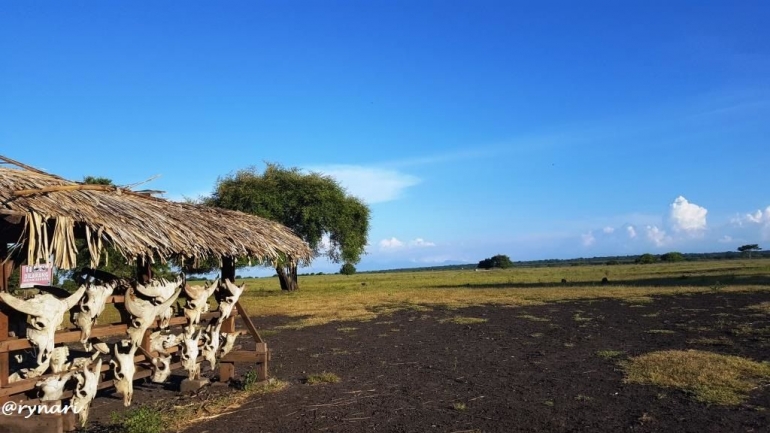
{"points": [[189, 354], [45, 314], [160, 288], [229, 343], [124, 369], [29, 373], [85, 390], [53, 386], [227, 296], [161, 342], [144, 312], [161, 368], [91, 306], [59, 359], [211, 342], [197, 301]]}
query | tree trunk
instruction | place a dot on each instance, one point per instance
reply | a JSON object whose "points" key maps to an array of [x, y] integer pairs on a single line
{"points": [[287, 275]]}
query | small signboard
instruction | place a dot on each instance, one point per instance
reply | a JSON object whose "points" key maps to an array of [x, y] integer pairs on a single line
{"points": [[37, 274]]}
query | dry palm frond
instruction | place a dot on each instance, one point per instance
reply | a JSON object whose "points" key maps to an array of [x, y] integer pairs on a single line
{"points": [[134, 224]]}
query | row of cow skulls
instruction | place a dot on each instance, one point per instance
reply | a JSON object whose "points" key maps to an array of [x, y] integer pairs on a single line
{"points": [[144, 303]]}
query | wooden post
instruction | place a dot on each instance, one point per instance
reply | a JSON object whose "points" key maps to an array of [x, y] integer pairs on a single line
{"points": [[5, 273], [143, 270]]}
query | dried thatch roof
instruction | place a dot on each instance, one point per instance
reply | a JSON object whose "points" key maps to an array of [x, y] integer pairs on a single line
{"points": [[53, 210]]}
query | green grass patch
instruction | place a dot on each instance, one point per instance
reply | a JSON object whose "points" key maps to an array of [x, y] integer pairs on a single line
{"points": [[660, 331], [609, 354], [578, 318], [464, 320], [169, 416], [712, 378], [319, 378]]}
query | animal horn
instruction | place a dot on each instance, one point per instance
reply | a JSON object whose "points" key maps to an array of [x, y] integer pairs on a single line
{"points": [[170, 301], [75, 297], [129, 302], [19, 304]]}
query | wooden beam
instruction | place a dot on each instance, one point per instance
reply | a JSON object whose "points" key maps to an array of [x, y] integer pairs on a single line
{"points": [[247, 321], [73, 335], [5, 273], [244, 356]]}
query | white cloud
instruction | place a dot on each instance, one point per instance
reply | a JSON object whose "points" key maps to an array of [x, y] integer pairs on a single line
{"points": [[608, 230], [391, 244], [588, 239], [726, 239], [395, 244], [631, 232], [758, 217], [657, 236], [687, 217], [420, 242], [372, 185]]}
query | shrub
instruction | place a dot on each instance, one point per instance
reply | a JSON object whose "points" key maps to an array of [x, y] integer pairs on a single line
{"points": [[499, 261], [348, 269]]}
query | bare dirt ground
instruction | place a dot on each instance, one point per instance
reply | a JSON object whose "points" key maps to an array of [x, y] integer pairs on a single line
{"points": [[525, 369]]}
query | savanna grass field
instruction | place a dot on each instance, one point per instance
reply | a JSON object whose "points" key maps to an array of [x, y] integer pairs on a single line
{"points": [[325, 298], [657, 347]]}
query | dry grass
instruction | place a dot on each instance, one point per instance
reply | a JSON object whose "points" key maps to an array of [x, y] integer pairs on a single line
{"points": [[325, 377], [338, 298], [464, 320], [712, 378], [764, 307]]}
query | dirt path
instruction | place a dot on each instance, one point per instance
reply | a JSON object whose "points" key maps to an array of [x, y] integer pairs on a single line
{"points": [[531, 369]]}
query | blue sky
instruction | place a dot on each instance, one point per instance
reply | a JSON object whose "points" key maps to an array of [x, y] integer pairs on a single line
{"points": [[534, 129]]}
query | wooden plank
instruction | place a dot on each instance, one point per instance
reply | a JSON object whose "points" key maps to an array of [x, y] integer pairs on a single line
{"points": [[39, 423], [249, 324], [73, 335], [244, 356]]}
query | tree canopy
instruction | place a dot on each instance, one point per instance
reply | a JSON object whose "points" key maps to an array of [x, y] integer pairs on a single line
{"points": [[673, 256], [499, 261], [749, 248], [318, 210], [646, 258]]}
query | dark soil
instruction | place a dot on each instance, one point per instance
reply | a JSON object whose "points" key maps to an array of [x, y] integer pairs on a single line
{"points": [[411, 372]]}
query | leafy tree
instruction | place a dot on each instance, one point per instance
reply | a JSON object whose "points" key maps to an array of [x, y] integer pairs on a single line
{"points": [[646, 258], [749, 248], [314, 206], [673, 256], [498, 261], [348, 269]]}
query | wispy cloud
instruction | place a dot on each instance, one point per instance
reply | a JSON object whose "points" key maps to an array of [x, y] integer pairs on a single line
{"points": [[370, 184]]}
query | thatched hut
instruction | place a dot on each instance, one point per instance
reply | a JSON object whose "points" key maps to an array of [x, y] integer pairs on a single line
{"points": [[44, 214]]}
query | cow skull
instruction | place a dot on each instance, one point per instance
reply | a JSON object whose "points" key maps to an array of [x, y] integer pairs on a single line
{"points": [[160, 342], [197, 301], [124, 369], [45, 314], [144, 312], [227, 296], [161, 368], [229, 343], [91, 306], [59, 359], [29, 373], [85, 390], [160, 289], [211, 343], [189, 355], [53, 386]]}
